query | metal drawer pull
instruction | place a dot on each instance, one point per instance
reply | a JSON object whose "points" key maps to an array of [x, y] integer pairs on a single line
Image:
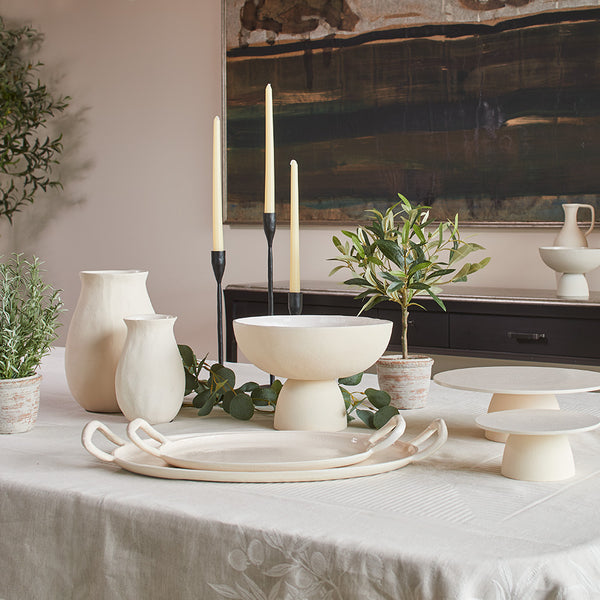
{"points": [[527, 337]]}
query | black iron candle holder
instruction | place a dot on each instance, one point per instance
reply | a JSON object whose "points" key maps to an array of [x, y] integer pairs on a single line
{"points": [[269, 224], [295, 303], [217, 258]]}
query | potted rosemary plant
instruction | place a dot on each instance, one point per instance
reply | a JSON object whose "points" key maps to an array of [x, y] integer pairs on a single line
{"points": [[29, 318], [400, 256]]}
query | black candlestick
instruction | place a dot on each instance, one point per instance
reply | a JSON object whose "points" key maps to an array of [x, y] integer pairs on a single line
{"points": [[295, 303], [269, 224], [217, 258]]}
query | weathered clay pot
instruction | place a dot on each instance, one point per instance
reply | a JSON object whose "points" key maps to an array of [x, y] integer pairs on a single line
{"points": [[19, 403], [406, 380]]}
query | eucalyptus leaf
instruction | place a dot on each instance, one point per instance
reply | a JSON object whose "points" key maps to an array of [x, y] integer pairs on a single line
{"points": [[191, 383], [206, 407], [188, 356], [223, 376], [249, 386], [241, 407], [264, 392], [201, 398], [378, 398], [383, 415], [352, 380], [226, 399], [366, 416]]}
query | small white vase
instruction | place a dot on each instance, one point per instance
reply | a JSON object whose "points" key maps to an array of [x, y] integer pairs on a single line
{"points": [[19, 403], [406, 380], [570, 236], [97, 334], [150, 379]]}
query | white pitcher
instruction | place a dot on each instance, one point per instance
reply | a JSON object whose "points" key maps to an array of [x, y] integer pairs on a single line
{"points": [[150, 379], [97, 334], [570, 235]]}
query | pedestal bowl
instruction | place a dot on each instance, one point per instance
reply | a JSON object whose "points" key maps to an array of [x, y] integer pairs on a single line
{"points": [[572, 263], [312, 352]]}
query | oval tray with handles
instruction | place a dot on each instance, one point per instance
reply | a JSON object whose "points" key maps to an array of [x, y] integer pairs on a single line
{"points": [[128, 456]]}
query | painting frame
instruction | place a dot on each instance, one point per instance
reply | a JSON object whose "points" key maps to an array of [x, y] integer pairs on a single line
{"points": [[244, 138]]}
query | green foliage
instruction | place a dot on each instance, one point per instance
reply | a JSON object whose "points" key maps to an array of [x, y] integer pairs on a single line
{"points": [[402, 254], [355, 403], [26, 105], [29, 317], [219, 389]]}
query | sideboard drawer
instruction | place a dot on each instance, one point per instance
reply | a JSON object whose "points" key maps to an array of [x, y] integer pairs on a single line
{"points": [[526, 335]]}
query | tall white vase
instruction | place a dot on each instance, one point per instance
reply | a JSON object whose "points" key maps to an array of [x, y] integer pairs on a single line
{"points": [[97, 334], [150, 380]]}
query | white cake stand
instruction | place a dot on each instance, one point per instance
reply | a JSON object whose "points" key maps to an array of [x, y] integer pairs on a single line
{"points": [[520, 387], [537, 448]]}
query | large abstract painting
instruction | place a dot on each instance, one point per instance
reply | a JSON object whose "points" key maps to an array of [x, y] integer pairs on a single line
{"points": [[488, 108]]}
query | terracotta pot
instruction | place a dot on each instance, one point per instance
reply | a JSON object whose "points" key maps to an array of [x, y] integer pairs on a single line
{"points": [[19, 403], [406, 380]]}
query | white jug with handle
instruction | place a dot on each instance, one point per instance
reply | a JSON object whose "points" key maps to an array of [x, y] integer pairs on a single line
{"points": [[570, 235]]}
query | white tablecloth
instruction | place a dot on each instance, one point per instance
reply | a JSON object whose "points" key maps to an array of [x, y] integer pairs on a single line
{"points": [[450, 527]]}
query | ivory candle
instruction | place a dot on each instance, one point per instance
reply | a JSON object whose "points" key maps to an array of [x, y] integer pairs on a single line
{"points": [[217, 189], [269, 152], [294, 229]]}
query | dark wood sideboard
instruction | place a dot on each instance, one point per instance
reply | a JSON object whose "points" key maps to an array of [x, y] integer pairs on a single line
{"points": [[527, 325]]}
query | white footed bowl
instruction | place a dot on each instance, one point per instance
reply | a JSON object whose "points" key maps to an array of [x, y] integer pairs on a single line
{"points": [[571, 260], [312, 352], [572, 263]]}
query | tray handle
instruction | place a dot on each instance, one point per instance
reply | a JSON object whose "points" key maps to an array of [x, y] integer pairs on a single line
{"points": [[86, 440], [142, 424], [435, 427], [387, 435]]}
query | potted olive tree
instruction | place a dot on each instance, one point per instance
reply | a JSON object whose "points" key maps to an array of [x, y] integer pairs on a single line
{"points": [[29, 317], [400, 256]]}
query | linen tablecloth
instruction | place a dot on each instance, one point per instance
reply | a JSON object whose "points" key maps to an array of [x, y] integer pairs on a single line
{"points": [[450, 527]]}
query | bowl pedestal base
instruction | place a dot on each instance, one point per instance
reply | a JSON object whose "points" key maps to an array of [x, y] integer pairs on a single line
{"points": [[310, 406]]}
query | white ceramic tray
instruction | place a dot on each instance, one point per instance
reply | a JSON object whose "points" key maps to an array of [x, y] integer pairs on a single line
{"points": [[129, 457], [266, 450]]}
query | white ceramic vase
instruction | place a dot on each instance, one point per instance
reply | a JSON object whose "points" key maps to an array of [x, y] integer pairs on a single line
{"points": [[406, 380], [97, 334], [19, 403], [570, 236], [150, 379]]}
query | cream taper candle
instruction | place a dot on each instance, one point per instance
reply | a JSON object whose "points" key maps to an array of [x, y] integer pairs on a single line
{"points": [[217, 190], [269, 152], [294, 229]]}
